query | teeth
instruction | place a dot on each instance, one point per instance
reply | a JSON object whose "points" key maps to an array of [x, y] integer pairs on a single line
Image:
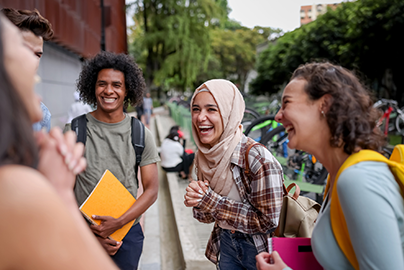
{"points": [[202, 127], [288, 128], [109, 99]]}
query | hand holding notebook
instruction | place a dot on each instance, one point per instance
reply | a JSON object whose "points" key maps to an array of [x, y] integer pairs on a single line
{"points": [[295, 252], [109, 198]]}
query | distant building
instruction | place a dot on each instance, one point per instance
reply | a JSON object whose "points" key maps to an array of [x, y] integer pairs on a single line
{"points": [[77, 36], [310, 13]]}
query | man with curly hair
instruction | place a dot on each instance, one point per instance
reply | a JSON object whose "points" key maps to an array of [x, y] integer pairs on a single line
{"points": [[110, 82], [35, 29]]}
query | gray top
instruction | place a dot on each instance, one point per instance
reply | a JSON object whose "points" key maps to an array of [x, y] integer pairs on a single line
{"points": [[109, 146], [147, 103], [374, 211]]}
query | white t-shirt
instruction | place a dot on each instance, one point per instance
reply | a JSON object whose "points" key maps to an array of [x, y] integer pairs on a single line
{"points": [[171, 153], [76, 109]]}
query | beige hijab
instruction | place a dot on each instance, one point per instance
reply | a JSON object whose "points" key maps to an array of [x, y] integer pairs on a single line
{"points": [[213, 164]]}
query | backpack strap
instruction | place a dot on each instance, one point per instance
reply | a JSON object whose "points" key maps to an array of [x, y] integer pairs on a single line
{"points": [[79, 125], [338, 223], [250, 144], [138, 142]]}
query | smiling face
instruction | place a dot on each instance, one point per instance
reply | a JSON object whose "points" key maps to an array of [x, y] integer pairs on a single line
{"points": [[206, 118], [21, 65], [110, 91], [301, 117]]}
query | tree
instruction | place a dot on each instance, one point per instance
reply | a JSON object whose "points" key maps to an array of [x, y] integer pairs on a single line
{"points": [[362, 35], [234, 51], [172, 39]]}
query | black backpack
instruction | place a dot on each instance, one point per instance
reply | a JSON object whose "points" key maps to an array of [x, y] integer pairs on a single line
{"points": [[79, 125]]}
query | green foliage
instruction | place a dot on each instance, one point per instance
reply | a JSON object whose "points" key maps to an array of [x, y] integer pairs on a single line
{"points": [[362, 35], [180, 44], [171, 39], [234, 48]]}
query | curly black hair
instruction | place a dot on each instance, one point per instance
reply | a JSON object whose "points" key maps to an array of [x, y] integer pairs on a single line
{"points": [[134, 81], [351, 116]]}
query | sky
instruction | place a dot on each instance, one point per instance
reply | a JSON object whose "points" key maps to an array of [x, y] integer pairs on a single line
{"points": [[283, 14]]}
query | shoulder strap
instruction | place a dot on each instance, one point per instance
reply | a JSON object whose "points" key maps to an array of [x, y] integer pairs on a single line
{"points": [[138, 142], [338, 222], [250, 144], [79, 125]]}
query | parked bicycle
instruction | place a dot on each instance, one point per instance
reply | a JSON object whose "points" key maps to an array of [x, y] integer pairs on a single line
{"points": [[249, 116], [296, 165], [392, 119]]}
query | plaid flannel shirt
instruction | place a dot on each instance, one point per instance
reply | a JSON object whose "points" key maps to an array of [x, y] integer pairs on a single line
{"points": [[258, 213]]}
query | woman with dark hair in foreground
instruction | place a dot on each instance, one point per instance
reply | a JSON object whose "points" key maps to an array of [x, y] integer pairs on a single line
{"points": [[41, 226]]}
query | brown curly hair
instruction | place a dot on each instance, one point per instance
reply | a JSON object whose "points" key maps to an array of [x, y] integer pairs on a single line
{"points": [[351, 116], [30, 20]]}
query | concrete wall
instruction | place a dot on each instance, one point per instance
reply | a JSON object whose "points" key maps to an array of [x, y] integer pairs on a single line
{"points": [[59, 69]]}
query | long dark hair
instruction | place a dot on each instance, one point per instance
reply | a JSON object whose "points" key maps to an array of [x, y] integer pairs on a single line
{"points": [[351, 116], [173, 135], [17, 144]]}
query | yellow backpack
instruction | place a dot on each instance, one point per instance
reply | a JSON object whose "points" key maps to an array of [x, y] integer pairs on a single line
{"points": [[338, 224]]}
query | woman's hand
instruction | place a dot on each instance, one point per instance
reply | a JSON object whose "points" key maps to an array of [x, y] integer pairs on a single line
{"points": [[264, 261], [195, 192], [60, 158]]}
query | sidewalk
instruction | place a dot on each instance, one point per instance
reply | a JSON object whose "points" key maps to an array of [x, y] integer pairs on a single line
{"points": [[171, 233]]}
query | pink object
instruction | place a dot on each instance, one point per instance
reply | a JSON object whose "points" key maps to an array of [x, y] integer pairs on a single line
{"points": [[188, 151], [180, 133], [295, 252]]}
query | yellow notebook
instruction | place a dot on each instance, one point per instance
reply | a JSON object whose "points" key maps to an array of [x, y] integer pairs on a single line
{"points": [[109, 198]]}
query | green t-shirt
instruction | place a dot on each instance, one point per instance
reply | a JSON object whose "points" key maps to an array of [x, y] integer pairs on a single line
{"points": [[109, 146]]}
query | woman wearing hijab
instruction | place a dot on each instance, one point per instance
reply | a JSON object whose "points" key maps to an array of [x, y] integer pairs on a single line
{"points": [[245, 208]]}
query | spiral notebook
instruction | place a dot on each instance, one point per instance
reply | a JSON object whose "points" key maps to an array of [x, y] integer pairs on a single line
{"points": [[295, 252]]}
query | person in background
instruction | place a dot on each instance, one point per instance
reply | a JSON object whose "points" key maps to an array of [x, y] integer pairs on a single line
{"points": [[147, 108], [244, 206], [111, 82], [35, 30], [329, 113], [173, 156], [41, 223], [77, 108], [139, 111]]}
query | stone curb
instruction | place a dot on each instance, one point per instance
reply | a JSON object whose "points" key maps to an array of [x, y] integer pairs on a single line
{"points": [[193, 255]]}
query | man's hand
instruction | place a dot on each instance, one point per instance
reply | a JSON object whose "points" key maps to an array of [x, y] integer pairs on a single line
{"points": [[111, 246], [108, 226]]}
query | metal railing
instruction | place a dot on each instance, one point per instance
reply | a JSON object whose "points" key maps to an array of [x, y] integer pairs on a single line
{"points": [[181, 116]]}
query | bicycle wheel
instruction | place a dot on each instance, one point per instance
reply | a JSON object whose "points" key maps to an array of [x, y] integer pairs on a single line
{"points": [[296, 165], [400, 123], [259, 127], [250, 115], [276, 141]]}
